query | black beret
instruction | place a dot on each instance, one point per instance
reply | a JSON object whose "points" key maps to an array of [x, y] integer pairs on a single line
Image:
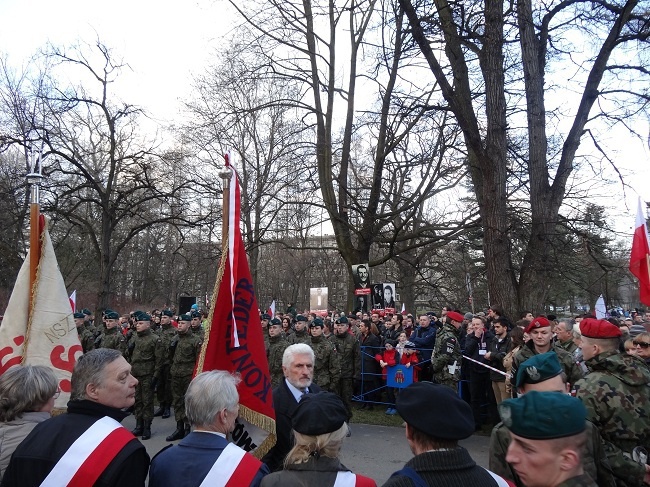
{"points": [[86, 311], [79, 315], [195, 314], [342, 320], [143, 317], [167, 312], [109, 314], [544, 415], [538, 368], [414, 404], [318, 414]]}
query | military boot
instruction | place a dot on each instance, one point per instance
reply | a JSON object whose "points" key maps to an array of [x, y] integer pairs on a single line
{"points": [[179, 433], [146, 431], [166, 413], [139, 426], [159, 411]]}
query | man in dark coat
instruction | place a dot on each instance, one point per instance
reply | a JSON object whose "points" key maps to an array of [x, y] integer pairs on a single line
{"points": [[298, 368], [102, 385]]}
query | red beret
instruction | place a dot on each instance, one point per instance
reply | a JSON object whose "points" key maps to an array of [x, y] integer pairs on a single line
{"points": [[453, 315], [593, 328], [539, 322]]}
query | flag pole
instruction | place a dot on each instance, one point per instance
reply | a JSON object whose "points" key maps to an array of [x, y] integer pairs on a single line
{"points": [[225, 174], [34, 178]]}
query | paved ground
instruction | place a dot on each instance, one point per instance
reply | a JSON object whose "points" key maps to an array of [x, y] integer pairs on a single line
{"points": [[374, 451]]}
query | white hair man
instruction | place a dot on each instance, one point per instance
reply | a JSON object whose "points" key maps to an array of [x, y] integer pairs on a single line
{"points": [[298, 369], [205, 455]]}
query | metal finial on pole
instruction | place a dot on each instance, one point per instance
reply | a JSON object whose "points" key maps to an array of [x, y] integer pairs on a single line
{"points": [[225, 174], [34, 177]]}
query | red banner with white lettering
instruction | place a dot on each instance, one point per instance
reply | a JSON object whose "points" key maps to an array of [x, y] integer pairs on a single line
{"points": [[234, 340]]}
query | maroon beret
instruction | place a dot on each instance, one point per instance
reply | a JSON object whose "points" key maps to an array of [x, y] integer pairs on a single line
{"points": [[453, 315], [593, 328], [539, 322]]}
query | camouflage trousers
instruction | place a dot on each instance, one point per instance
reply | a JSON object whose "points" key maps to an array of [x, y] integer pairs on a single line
{"points": [[344, 389], [179, 388], [164, 388], [144, 398]]}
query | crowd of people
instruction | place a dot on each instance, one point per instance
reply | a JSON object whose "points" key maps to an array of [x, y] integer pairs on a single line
{"points": [[568, 400]]}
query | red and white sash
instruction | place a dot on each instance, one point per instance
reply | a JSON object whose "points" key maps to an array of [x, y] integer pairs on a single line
{"points": [[501, 482], [89, 455], [348, 479], [233, 468]]}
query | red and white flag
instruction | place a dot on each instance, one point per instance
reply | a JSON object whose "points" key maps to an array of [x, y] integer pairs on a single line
{"points": [[639, 256], [403, 309], [234, 340], [73, 301], [271, 310], [46, 334]]}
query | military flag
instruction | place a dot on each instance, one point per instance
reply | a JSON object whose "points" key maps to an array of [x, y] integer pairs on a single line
{"points": [[233, 337], [639, 256]]}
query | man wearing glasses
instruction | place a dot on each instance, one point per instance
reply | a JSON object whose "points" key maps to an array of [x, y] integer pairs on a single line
{"points": [[617, 397]]}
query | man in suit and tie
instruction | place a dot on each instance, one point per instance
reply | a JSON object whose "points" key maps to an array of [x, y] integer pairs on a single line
{"points": [[298, 369], [205, 456]]}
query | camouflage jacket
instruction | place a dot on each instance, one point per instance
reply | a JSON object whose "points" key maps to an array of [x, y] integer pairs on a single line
{"points": [[199, 331], [277, 345], [583, 480], [167, 333], [447, 357], [569, 346], [145, 353], [571, 368], [299, 337], [616, 393], [326, 364], [86, 338], [113, 339], [349, 353], [185, 349], [594, 460]]}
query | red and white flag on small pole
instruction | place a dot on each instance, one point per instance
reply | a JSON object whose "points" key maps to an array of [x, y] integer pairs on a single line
{"points": [[73, 301], [233, 336], [639, 263], [403, 309], [271, 310]]}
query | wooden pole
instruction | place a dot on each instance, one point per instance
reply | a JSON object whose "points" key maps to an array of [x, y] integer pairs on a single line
{"points": [[34, 178]]}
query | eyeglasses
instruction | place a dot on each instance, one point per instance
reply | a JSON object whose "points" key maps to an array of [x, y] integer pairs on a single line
{"points": [[57, 393], [641, 344]]}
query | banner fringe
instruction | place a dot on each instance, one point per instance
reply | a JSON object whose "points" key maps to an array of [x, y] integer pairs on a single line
{"points": [[261, 421]]}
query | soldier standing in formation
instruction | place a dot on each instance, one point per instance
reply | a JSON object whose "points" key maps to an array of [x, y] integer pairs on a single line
{"points": [[264, 320], [85, 336], [446, 358], [112, 338], [277, 345], [145, 352], [349, 355], [196, 326], [301, 334], [167, 334], [326, 364], [185, 350]]}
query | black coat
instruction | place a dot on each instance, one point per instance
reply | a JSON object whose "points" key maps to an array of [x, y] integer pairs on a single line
{"points": [[476, 348], [285, 405], [37, 455]]}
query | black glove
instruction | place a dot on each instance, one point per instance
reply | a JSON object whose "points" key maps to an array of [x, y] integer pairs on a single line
{"points": [[154, 383]]}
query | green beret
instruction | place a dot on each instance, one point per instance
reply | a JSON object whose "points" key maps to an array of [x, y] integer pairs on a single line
{"points": [[275, 322], [143, 317], [185, 317], [301, 318], [109, 314], [86, 311], [78, 315], [421, 403], [265, 316], [318, 414], [316, 322], [167, 312], [342, 320], [538, 368], [543, 415], [195, 314]]}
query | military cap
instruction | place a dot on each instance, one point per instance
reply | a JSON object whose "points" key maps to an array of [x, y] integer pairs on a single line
{"points": [[79, 315], [265, 316], [342, 320], [414, 406], [316, 322], [143, 317], [86, 311], [167, 312], [195, 314], [109, 314], [539, 322], [275, 322], [593, 328], [635, 329], [538, 368], [453, 315], [544, 415], [318, 414], [185, 317], [301, 318]]}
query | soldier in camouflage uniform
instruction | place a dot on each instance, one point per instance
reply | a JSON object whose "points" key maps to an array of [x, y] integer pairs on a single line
{"points": [[112, 336], [446, 358], [540, 331], [89, 323], [264, 320], [348, 351], [616, 393], [145, 353], [186, 349], [277, 345], [85, 336], [301, 334], [167, 334], [544, 373], [548, 436], [326, 361], [196, 326]]}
